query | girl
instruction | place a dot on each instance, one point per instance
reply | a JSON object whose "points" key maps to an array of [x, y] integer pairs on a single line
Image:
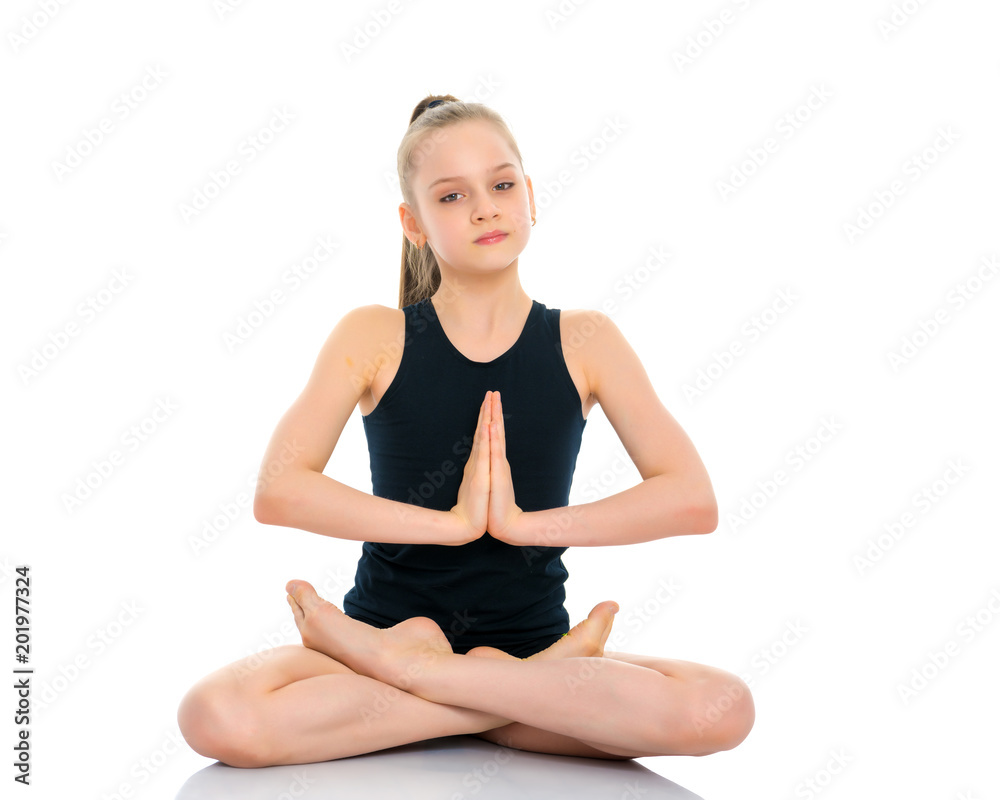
{"points": [[473, 410]]}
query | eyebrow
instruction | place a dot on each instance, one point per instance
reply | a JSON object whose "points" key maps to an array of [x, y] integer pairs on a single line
{"points": [[459, 177]]}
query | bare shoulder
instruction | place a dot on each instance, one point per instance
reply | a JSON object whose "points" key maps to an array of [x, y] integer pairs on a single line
{"points": [[373, 334], [621, 385], [590, 339], [370, 342], [371, 321], [588, 342]]}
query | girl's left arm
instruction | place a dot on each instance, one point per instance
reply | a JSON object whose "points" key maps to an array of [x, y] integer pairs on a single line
{"points": [[675, 497]]}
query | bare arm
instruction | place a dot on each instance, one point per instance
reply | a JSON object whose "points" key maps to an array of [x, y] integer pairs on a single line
{"points": [[675, 497], [292, 490]]}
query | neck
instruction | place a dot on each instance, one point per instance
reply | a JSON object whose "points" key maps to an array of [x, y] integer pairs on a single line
{"points": [[482, 303]]}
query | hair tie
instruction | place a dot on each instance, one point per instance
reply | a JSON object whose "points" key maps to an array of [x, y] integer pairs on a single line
{"points": [[435, 103]]}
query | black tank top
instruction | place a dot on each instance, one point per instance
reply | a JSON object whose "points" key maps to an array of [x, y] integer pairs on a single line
{"points": [[419, 436]]}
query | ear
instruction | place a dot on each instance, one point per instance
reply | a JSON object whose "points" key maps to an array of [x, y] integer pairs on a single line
{"points": [[531, 195], [411, 225]]}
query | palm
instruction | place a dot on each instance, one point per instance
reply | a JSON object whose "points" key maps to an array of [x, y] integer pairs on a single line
{"points": [[503, 511], [486, 496]]}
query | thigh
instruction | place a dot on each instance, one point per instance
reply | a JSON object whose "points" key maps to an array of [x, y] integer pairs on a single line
{"points": [[525, 737], [272, 669], [670, 667]]}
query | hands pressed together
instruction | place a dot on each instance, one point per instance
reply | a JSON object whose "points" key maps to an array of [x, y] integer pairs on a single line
{"points": [[486, 496]]}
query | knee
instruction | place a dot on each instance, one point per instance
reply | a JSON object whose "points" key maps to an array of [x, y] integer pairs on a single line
{"points": [[218, 724], [723, 714]]}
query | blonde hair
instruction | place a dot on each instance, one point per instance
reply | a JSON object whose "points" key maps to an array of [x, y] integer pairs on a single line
{"points": [[419, 275]]}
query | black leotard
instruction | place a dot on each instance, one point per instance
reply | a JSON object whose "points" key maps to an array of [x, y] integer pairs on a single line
{"points": [[419, 438]]}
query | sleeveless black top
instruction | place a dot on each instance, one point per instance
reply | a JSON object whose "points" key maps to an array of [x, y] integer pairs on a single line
{"points": [[419, 436]]}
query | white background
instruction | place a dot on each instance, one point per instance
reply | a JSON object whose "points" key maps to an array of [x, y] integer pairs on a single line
{"points": [[777, 595]]}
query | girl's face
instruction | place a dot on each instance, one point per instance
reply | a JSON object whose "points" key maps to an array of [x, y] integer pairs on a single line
{"points": [[467, 182]]}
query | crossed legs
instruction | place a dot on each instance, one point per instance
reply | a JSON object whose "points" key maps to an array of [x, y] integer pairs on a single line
{"points": [[354, 689]]}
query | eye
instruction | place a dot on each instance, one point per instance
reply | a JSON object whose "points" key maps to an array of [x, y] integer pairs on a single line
{"points": [[445, 198], [505, 183]]}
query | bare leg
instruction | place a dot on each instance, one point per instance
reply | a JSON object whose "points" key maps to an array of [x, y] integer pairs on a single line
{"points": [[620, 707], [293, 705]]}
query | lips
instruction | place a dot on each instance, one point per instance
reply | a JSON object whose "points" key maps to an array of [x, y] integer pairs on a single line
{"points": [[490, 235]]}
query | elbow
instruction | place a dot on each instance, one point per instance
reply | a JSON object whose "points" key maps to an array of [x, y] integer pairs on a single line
{"points": [[705, 516], [267, 506]]}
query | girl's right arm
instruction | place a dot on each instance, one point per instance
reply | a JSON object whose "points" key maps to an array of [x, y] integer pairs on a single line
{"points": [[292, 490]]}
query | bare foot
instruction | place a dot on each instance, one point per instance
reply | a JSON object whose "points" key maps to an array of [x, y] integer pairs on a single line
{"points": [[587, 638], [391, 655]]}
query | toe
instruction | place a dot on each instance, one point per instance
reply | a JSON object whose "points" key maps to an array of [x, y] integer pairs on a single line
{"points": [[302, 593], [608, 605], [604, 614], [604, 610], [296, 609]]}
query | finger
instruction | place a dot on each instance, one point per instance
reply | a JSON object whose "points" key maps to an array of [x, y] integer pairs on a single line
{"points": [[496, 450], [500, 428], [487, 419], [477, 437]]}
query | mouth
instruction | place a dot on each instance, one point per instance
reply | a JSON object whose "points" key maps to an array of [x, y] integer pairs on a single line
{"points": [[492, 237]]}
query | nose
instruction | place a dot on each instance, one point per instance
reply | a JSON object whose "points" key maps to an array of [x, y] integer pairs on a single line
{"points": [[486, 209]]}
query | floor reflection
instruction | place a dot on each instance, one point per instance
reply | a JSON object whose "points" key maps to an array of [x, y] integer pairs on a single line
{"points": [[451, 768]]}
